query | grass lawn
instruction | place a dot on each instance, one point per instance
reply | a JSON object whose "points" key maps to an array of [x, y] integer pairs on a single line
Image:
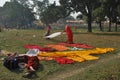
{"points": [[106, 68]]}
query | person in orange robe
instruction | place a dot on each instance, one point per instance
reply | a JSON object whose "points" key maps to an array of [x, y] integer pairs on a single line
{"points": [[69, 34]]}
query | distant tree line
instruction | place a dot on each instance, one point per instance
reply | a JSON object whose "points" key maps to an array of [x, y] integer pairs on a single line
{"points": [[95, 10], [22, 13], [15, 15]]}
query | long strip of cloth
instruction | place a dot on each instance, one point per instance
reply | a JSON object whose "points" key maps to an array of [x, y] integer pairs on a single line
{"points": [[78, 56]]}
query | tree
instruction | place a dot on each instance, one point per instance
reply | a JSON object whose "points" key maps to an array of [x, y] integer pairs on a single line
{"points": [[37, 6], [69, 18], [84, 6], [16, 15], [80, 16], [111, 10], [1, 16], [116, 13], [25, 3], [41, 7], [53, 13], [99, 16]]}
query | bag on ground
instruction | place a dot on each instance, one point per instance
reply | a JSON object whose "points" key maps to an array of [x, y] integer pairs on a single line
{"points": [[11, 63]]}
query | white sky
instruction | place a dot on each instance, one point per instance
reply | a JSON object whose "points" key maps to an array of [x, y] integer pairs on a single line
{"points": [[2, 2]]}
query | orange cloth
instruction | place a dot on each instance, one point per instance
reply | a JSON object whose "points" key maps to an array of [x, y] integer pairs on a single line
{"points": [[58, 47], [45, 58]]}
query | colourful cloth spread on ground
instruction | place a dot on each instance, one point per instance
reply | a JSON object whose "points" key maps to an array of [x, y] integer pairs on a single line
{"points": [[77, 45], [58, 47], [80, 52], [45, 58], [75, 48], [45, 49], [63, 60], [78, 56]]}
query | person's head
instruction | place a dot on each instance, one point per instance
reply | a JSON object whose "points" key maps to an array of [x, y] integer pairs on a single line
{"points": [[49, 26], [66, 26]]}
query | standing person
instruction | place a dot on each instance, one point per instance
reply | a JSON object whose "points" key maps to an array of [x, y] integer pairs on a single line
{"points": [[69, 34], [48, 29]]}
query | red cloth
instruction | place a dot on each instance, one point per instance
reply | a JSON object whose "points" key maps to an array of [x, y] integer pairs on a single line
{"points": [[76, 45], [64, 61], [69, 34], [48, 28], [32, 61], [45, 49]]}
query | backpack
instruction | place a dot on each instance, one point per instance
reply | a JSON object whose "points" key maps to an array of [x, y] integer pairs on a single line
{"points": [[11, 63]]}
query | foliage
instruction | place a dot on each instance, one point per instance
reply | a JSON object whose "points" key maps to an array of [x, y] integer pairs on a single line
{"points": [[16, 15], [53, 13], [80, 16], [84, 6], [111, 10], [99, 14], [40, 6], [21, 13]]}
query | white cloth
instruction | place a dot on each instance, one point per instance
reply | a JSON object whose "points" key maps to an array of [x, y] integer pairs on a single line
{"points": [[32, 52], [53, 35]]}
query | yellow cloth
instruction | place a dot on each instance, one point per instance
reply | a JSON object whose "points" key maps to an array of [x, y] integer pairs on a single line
{"points": [[77, 55]]}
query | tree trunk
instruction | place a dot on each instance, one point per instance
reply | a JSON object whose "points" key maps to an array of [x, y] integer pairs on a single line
{"points": [[89, 22], [0, 29], [110, 18], [109, 25], [100, 25], [116, 26]]}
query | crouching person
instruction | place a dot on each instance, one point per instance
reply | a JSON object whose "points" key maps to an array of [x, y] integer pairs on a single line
{"points": [[32, 65]]}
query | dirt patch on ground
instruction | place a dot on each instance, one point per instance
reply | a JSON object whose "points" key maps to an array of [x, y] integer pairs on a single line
{"points": [[65, 74]]}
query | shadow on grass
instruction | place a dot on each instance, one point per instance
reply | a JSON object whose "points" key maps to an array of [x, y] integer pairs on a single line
{"points": [[41, 68], [100, 33], [108, 33], [22, 71], [54, 40]]}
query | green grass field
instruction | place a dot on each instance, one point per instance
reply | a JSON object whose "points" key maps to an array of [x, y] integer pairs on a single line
{"points": [[106, 68]]}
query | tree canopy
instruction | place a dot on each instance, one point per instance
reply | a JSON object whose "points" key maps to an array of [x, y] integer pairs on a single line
{"points": [[22, 13], [16, 15], [53, 13], [84, 6]]}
